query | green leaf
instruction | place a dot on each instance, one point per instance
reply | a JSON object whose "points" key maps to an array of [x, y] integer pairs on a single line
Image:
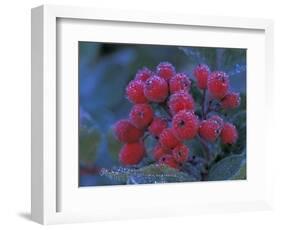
{"points": [[89, 141], [113, 145], [227, 168], [194, 170], [153, 173], [195, 148], [242, 173]]}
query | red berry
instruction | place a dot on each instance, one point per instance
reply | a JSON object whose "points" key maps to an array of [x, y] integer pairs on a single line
{"points": [[126, 132], [201, 73], [180, 101], [230, 101], [159, 151], [156, 89], [135, 92], [132, 153], [169, 160], [218, 84], [180, 153], [185, 124], [209, 130], [141, 115], [157, 126], [179, 82], [217, 119], [168, 139], [229, 134], [165, 70], [143, 74]]}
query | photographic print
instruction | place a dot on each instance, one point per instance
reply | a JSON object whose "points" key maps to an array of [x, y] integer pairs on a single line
{"points": [[152, 114]]}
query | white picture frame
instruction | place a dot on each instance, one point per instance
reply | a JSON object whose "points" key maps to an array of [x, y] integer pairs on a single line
{"points": [[55, 196]]}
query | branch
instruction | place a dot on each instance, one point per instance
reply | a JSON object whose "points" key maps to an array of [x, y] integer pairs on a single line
{"points": [[205, 147], [164, 106], [146, 135], [203, 104], [212, 108]]}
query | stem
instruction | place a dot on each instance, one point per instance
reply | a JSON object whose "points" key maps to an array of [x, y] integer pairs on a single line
{"points": [[212, 108], [209, 107], [146, 135], [206, 148], [207, 154], [166, 109]]}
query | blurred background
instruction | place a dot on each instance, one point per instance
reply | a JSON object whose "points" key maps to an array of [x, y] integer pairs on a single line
{"points": [[104, 71]]}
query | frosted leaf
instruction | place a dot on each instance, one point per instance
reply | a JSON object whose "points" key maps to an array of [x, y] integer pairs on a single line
{"points": [[194, 54], [227, 168], [147, 175], [238, 69], [119, 174]]}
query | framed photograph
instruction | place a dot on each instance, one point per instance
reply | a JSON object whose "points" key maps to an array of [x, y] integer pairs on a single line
{"points": [[141, 114]]}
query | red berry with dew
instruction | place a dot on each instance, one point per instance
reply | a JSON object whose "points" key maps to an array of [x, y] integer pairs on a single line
{"points": [[165, 70], [156, 89], [181, 101], [201, 73], [231, 101], [181, 153], [135, 92], [141, 115], [209, 130], [131, 153], [185, 125], [218, 84], [157, 126], [179, 82], [217, 119], [126, 132], [169, 160], [143, 74], [229, 134], [168, 139], [159, 151]]}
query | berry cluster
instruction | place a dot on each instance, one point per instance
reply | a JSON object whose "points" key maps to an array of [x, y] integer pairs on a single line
{"points": [[170, 91]]}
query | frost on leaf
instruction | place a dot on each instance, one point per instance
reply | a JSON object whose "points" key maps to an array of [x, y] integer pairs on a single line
{"points": [[154, 173]]}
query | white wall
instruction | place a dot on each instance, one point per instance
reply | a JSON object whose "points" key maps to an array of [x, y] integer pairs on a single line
{"points": [[15, 112]]}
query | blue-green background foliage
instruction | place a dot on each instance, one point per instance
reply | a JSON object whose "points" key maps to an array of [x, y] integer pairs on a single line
{"points": [[105, 70]]}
